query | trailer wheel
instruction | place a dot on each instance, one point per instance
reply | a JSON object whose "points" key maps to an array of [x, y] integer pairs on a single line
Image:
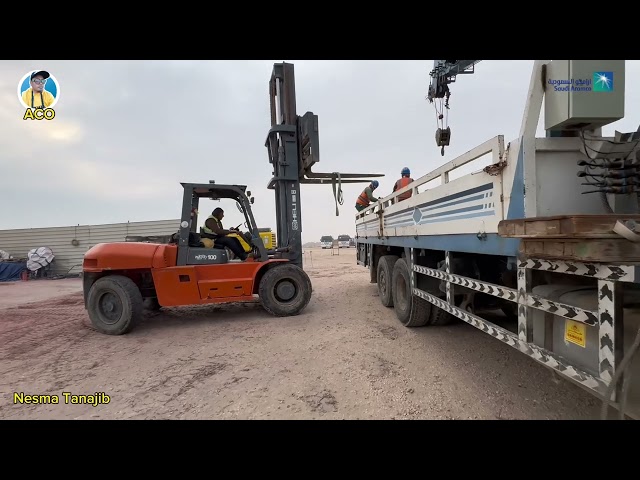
{"points": [[412, 311], [285, 290], [510, 311], [384, 279], [114, 304], [441, 317]]}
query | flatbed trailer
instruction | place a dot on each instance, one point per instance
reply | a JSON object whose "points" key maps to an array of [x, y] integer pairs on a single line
{"points": [[522, 250]]}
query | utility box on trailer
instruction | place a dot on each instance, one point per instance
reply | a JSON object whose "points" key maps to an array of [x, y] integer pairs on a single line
{"points": [[583, 94]]}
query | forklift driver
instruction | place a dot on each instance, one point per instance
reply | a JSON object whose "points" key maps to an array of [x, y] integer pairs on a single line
{"points": [[213, 226]]}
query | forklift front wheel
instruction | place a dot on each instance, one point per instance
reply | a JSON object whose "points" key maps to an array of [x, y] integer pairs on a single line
{"points": [[151, 303], [114, 304], [285, 290]]}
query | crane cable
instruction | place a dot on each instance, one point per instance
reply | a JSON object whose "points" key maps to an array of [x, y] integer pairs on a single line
{"points": [[442, 116], [337, 191]]}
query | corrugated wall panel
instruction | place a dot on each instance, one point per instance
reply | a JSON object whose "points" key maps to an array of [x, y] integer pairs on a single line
{"points": [[68, 258]]}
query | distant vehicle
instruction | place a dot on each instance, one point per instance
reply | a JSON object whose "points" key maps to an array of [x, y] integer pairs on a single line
{"points": [[326, 241], [352, 242], [343, 241]]}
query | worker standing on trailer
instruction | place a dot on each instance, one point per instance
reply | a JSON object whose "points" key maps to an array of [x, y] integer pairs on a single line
{"points": [[403, 181], [366, 197], [213, 226]]}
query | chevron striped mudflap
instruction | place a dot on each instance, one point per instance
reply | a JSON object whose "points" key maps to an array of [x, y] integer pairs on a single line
{"points": [[604, 315]]}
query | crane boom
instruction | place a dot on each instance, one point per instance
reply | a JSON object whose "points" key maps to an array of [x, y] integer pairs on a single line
{"points": [[445, 72]]}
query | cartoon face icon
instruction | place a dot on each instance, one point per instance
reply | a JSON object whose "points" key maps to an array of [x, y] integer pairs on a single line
{"points": [[38, 89]]}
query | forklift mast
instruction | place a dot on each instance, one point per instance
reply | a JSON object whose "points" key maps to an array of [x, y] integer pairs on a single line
{"points": [[284, 154], [293, 146]]}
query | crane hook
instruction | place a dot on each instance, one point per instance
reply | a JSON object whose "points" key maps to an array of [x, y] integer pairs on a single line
{"points": [[443, 136]]}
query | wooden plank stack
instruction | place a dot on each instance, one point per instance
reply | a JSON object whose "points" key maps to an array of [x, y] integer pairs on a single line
{"points": [[585, 238]]}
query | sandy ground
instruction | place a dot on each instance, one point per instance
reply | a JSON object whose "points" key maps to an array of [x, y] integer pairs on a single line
{"points": [[345, 357], [13, 294]]}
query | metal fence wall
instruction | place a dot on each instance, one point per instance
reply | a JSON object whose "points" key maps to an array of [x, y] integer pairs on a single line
{"points": [[68, 257]]}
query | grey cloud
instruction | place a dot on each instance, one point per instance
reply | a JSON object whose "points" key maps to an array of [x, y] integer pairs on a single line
{"points": [[127, 132]]}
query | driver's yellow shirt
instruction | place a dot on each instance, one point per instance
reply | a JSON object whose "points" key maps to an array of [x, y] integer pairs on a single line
{"points": [[39, 99]]}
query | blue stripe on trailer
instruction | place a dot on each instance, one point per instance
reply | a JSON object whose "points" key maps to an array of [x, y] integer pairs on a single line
{"points": [[443, 216], [481, 188]]}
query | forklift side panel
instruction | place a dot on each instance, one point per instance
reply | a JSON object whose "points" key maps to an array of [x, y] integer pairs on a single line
{"points": [[201, 284], [206, 256], [176, 286]]}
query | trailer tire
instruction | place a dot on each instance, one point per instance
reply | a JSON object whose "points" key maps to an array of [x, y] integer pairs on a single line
{"points": [[285, 290], [385, 279], [440, 317], [114, 304], [412, 311], [510, 311]]}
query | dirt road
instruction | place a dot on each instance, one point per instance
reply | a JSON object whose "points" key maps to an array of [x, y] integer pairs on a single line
{"points": [[345, 357]]}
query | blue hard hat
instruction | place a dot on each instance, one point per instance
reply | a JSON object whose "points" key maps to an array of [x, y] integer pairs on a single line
{"points": [[375, 184], [405, 171]]}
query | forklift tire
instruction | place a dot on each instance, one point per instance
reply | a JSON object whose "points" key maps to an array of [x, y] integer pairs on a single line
{"points": [[412, 311], [285, 290], [152, 304], [114, 304], [384, 276]]}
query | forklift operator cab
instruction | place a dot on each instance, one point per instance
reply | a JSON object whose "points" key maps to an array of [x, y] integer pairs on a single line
{"points": [[211, 237], [193, 247], [210, 240]]}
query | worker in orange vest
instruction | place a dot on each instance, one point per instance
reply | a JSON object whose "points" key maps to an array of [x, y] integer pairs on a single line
{"points": [[403, 181], [366, 197]]}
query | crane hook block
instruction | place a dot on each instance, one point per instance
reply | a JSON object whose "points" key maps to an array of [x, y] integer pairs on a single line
{"points": [[443, 136]]}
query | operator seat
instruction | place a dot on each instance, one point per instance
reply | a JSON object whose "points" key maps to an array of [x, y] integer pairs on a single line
{"points": [[198, 254], [216, 245]]}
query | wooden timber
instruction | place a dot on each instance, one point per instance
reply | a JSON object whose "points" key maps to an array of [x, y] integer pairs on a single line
{"points": [[583, 250], [564, 226], [584, 238]]}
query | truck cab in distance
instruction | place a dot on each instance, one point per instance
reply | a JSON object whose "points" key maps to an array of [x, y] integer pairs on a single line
{"points": [[326, 241], [343, 241]]}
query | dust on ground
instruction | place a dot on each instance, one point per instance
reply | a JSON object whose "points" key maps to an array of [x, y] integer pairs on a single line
{"points": [[345, 357]]}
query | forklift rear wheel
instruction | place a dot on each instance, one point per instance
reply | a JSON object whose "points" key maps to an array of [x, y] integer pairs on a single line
{"points": [[114, 304], [285, 290]]}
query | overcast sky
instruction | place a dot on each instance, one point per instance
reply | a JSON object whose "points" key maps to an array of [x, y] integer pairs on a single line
{"points": [[127, 132]]}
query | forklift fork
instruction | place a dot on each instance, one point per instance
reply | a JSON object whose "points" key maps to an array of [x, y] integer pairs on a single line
{"points": [[293, 146]]}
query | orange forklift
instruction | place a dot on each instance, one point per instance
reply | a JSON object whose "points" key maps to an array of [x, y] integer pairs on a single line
{"points": [[178, 270]]}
